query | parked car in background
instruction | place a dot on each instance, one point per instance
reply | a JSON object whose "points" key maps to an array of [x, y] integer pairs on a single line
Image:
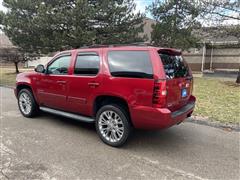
{"points": [[117, 87]]}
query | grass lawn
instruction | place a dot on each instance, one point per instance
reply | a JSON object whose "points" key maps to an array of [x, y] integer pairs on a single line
{"points": [[217, 100], [8, 76]]}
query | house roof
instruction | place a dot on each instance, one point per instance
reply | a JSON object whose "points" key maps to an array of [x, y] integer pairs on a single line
{"points": [[5, 42], [218, 35]]}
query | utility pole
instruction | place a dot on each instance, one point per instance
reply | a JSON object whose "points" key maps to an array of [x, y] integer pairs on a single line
{"points": [[211, 61], [203, 56]]}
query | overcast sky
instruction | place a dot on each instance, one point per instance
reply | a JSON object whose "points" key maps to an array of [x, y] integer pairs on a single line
{"points": [[1, 6], [141, 4]]}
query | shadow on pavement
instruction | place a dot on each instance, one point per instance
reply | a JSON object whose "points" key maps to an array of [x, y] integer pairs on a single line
{"points": [[138, 139]]}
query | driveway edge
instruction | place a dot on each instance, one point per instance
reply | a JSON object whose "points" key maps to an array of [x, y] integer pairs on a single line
{"points": [[227, 127]]}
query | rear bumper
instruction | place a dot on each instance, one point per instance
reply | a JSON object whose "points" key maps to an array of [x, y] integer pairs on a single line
{"points": [[158, 118], [189, 107]]}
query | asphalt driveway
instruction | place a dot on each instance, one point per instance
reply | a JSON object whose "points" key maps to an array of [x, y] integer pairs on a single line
{"points": [[52, 147]]}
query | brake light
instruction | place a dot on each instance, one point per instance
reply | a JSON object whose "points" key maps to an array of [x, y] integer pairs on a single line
{"points": [[160, 94]]}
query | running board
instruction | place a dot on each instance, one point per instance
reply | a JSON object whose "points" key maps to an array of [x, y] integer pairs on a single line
{"points": [[67, 114]]}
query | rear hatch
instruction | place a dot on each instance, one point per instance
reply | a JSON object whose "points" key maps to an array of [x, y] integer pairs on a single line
{"points": [[179, 82]]}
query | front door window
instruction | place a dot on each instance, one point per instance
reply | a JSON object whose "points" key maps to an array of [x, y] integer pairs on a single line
{"points": [[60, 66]]}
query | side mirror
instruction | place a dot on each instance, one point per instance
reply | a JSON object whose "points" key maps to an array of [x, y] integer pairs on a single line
{"points": [[40, 68]]}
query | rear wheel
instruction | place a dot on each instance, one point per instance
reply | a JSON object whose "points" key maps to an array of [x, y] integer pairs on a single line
{"points": [[112, 124], [26, 103]]}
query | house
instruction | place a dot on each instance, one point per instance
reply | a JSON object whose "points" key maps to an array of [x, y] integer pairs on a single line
{"points": [[5, 42], [219, 51], [147, 29], [6, 47]]}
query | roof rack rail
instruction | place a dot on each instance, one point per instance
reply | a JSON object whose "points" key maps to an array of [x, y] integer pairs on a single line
{"points": [[116, 45]]}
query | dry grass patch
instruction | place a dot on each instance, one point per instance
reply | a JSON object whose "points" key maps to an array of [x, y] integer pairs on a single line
{"points": [[217, 100], [8, 76]]}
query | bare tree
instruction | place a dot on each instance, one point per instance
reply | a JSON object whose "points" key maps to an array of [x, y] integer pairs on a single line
{"points": [[12, 55]]}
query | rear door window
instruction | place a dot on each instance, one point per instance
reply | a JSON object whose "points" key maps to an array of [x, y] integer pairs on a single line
{"points": [[87, 64], [174, 66], [132, 64]]}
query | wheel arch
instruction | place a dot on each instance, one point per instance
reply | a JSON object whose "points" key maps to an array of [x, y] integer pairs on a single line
{"points": [[21, 86], [102, 100]]}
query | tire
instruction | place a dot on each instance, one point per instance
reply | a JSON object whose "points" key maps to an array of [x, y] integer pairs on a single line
{"points": [[113, 125], [27, 104]]}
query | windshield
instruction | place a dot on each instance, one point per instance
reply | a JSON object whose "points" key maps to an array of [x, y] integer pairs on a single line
{"points": [[174, 66]]}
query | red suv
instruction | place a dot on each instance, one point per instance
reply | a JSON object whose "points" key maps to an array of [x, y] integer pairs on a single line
{"points": [[117, 87]]}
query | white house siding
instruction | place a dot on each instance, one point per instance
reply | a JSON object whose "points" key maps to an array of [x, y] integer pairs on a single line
{"points": [[34, 63]]}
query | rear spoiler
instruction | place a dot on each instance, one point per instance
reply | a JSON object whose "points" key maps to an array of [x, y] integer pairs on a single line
{"points": [[169, 51]]}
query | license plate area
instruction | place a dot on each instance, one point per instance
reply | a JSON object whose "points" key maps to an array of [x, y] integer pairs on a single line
{"points": [[184, 93]]}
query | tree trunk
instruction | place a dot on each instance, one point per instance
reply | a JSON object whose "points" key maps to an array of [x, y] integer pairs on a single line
{"points": [[238, 77], [16, 66]]}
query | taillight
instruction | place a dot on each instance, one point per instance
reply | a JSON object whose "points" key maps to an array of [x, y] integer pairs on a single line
{"points": [[160, 94]]}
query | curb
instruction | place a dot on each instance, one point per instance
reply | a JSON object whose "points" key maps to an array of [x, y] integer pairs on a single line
{"points": [[215, 124]]}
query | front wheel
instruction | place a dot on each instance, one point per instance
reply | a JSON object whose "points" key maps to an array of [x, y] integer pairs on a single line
{"points": [[112, 124], [27, 104]]}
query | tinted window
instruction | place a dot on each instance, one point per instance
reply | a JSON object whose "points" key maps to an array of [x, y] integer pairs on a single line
{"points": [[87, 64], [60, 65], [174, 66], [135, 64]]}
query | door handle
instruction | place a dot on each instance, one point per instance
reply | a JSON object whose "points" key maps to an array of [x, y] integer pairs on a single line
{"points": [[61, 82], [93, 84]]}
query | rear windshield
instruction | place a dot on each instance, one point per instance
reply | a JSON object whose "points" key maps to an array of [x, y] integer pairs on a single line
{"points": [[174, 66]]}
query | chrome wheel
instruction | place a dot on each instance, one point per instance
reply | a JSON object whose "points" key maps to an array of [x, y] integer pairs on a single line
{"points": [[111, 126], [25, 103]]}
